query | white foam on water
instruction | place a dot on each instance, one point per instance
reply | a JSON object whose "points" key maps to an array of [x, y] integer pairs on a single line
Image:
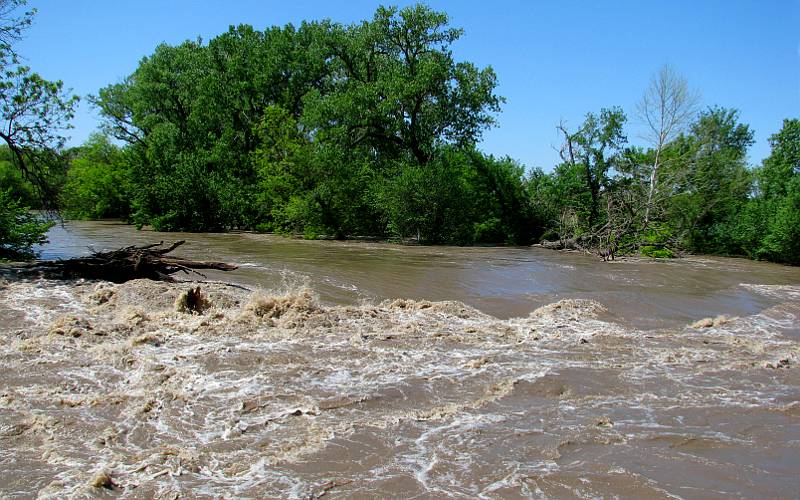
{"points": [[786, 292]]}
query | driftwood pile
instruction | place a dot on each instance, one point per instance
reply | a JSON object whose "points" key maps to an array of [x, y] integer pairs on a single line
{"points": [[583, 243], [125, 264], [578, 243]]}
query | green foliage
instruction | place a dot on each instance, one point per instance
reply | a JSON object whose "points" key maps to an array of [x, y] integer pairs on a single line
{"points": [[331, 130], [657, 252], [282, 163], [459, 197], [588, 154], [782, 240], [716, 183], [783, 164], [34, 113], [12, 178], [309, 130], [771, 222], [427, 203], [20, 230], [98, 182], [394, 87], [707, 200]]}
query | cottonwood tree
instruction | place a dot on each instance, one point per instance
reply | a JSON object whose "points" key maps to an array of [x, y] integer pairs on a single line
{"points": [[716, 182], [666, 108]]}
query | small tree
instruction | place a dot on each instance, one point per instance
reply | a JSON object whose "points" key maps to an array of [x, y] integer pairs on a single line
{"points": [[98, 181], [20, 230]]}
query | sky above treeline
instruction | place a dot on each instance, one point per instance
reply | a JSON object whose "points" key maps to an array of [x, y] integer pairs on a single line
{"points": [[555, 60]]}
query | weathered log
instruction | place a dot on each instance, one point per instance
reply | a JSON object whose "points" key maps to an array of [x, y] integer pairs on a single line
{"points": [[125, 264]]}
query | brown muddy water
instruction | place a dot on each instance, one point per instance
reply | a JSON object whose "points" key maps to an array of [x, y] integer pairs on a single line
{"points": [[361, 370]]}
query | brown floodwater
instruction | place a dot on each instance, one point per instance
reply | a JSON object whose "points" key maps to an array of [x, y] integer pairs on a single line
{"points": [[363, 370], [504, 282]]}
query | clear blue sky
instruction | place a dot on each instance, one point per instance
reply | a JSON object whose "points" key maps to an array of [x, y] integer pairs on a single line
{"points": [[554, 60]]}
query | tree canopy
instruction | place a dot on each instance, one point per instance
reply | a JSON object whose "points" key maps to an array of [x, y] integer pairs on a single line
{"points": [[307, 129]]}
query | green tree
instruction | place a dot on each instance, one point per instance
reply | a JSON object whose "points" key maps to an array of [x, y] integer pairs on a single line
{"points": [[11, 178], [98, 181], [783, 163], [429, 203], [771, 229], [715, 184], [191, 112], [283, 162], [461, 196], [396, 89], [291, 129], [589, 154], [34, 112]]}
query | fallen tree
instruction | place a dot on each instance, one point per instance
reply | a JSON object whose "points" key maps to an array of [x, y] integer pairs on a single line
{"points": [[125, 264]]}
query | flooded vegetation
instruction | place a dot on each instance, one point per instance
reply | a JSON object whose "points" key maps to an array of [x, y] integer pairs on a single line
{"points": [[335, 376]]}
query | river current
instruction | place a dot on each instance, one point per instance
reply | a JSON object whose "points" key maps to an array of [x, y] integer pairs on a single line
{"points": [[362, 370]]}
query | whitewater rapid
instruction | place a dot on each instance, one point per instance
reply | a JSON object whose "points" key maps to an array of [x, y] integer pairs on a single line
{"points": [[119, 389]]}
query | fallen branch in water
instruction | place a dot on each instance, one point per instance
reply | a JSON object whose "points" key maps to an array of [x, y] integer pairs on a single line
{"points": [[125, 264]]}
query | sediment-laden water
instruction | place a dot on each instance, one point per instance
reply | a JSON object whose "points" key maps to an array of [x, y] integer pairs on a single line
{"points": [[292, 391]]}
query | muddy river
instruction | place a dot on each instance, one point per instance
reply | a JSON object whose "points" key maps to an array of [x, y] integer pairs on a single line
{"points": [[364, 370]]}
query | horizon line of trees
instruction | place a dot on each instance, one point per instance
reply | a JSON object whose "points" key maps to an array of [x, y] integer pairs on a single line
{"points": [[371, 129]]}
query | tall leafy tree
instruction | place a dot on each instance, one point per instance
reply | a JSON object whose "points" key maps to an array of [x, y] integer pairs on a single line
{"points": [[206, 121], [397, 90], [771, 222], [34, 112], [715, 183]]}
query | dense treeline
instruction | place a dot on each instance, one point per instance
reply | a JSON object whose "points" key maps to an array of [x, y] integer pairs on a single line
{"points": [[371, 129], [321, 129]]}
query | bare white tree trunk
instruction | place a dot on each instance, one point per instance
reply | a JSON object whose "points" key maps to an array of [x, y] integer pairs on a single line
{"points": [[666, 108]]}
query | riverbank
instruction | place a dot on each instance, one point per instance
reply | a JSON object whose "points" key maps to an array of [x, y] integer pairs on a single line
{"points": [[274, 393]]}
